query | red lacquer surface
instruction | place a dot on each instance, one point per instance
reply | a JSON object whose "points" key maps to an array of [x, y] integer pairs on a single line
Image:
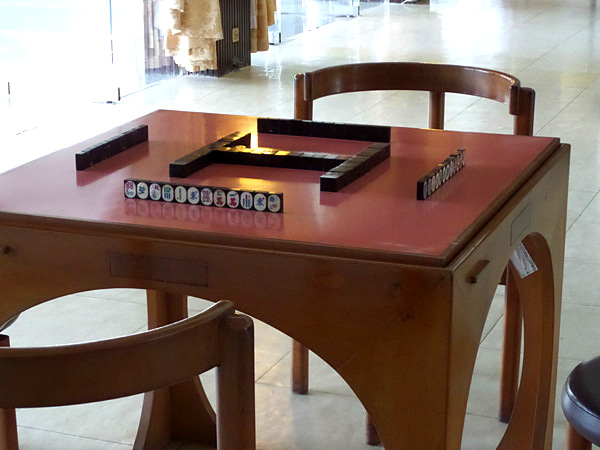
{"points": [[379, 212]]}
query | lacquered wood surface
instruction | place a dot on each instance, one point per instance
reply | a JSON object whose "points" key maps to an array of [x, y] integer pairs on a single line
{"points": [[377, 214]]}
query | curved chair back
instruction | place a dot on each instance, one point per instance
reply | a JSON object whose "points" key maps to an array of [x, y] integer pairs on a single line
{"points": [[435, 78], [102, 370]]}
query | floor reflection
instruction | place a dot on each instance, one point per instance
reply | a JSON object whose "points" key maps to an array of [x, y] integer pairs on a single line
{"points": [[298, 16]]}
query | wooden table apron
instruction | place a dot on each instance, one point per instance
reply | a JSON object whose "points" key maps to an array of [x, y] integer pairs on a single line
{"points": [[404, 337]]}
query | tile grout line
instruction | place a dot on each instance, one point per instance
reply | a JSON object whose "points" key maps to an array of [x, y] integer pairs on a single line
{"points": [[491, 329], [582, 211], [270, 368], [73, 435]]}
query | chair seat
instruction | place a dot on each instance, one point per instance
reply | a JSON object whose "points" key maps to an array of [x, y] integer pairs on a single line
{"points": [[581, 400]]}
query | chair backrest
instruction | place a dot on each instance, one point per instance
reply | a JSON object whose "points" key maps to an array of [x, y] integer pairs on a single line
{"points": [[435, 78], [119, 367]]}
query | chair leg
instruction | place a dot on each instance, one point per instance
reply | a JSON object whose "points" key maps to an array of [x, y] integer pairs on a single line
{"points": [[8, 418], [575, 441], [299, 368], [511, 355], [372, 435], [235, 386], [8, 430]]}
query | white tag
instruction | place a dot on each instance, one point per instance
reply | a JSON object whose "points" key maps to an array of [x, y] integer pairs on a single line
{"points": [[522, 261]]}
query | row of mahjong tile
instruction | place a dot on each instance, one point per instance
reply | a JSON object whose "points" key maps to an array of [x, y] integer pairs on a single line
{"points": [[204, 195], [440, 174], [309, 128], [111, 147]]}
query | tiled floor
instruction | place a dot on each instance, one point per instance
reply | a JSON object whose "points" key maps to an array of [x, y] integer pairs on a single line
{"points": [[297, 16], [552, 45]]}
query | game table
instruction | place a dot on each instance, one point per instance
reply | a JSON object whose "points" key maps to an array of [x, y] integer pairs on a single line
{"points": [[391, 291]]}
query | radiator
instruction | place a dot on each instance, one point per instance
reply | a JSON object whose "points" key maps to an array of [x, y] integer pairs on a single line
{"points": [[235, 15]]}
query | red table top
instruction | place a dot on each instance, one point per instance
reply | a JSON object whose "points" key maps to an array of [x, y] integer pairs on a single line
{"points": [[376, 217]]}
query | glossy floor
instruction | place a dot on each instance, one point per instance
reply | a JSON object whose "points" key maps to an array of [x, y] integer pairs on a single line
{"points": [[551, 45], [297, 16]]}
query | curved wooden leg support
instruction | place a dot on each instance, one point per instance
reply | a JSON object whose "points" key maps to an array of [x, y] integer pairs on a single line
{"points": [[8, 418], [530, 426], [181, 412], [372, 435], [154, 430], [511, 355], [299, 368], [402, 374], [575, 441]]}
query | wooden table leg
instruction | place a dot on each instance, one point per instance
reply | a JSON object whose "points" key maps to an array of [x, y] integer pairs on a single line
{"points": [[181, 412], [427, 396], [8, 419], [299, 368], [401, 374], [511, 354], [531, 423]]}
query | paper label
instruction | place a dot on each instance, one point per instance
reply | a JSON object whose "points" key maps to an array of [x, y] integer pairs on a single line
{"points": [[522, 261]]}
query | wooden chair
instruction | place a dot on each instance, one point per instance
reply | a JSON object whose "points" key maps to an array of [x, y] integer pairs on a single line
{"points": [[581, 405], [90, 372], [437, 79]]}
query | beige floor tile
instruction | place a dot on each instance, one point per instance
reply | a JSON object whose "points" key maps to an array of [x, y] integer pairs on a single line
{"points": [[409, 109], [34, 439], [584, 176], [550, 101], [591, 214], [322, 378], [271, 346], [244, 100], [584, 151], [314, 421], [124, 295], [345, 107], [482, 433], [577, 203], [484, 116], [578, 334], [284, 110], [495, 313], [576, 121], [111, 421], [581, 282], [485, 387], [583, 241], [574, 78], [574, 344], [493, 340], [76, 318], [196, 305]]}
